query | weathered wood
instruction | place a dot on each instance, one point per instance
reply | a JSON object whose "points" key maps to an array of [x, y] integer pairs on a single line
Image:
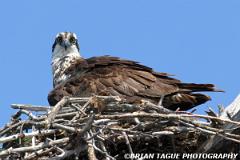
{"points": [[233, 110], [26, 135], [31, 148], [218, 143], [164, 116], [51, 116], [109, 133], [30, 107]]}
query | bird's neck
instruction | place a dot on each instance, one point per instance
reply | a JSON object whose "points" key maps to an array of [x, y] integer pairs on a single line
{"points": [[60, 63]]}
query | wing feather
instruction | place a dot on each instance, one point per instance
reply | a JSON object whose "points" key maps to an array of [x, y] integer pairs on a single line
{"points": [[114, 76]]}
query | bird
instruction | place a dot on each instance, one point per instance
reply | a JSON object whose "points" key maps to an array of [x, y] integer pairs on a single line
{"points": [[106, 75]]}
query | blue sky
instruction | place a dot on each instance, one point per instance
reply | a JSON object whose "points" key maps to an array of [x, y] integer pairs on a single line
{"points": [[198, 41]]}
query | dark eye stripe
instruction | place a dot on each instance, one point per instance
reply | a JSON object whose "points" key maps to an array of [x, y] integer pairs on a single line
{"points": [[54, 45], [77, 45], [59, 39]]}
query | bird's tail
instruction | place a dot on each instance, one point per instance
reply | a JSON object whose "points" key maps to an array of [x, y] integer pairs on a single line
{"points": [[192, 87], [184, 101]]}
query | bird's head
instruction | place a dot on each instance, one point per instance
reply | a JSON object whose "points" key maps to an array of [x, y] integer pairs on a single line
{"points": [[65, 44]]}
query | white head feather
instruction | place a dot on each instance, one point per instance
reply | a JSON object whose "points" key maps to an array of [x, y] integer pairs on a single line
{"points": [[65, 51]]}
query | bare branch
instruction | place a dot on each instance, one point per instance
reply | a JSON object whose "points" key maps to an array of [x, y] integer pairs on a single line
{"points": [[75, 129]]}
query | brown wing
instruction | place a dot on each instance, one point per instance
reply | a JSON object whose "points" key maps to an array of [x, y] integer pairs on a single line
{"points": [[113, 76]]}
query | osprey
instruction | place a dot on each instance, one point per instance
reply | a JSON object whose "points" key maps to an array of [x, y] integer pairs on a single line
{"points": [[106, 75]]}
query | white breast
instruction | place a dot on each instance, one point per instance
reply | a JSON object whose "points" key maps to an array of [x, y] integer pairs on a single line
{"points": [[59, 67], [61, 60]]}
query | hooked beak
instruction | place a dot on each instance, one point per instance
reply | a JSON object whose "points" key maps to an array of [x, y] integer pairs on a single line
{"points": [[65, 44]]}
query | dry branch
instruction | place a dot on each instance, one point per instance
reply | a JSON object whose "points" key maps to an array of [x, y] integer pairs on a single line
{"points": [[35, 148], [221, 143], [30, 107], [106, 127]]}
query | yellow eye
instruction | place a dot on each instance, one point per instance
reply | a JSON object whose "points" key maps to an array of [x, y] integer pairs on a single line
{"points": [[72, 40], [59, 39]]}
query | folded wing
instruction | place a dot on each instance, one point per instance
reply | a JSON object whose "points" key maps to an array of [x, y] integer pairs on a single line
{"points": [[128, 79]]}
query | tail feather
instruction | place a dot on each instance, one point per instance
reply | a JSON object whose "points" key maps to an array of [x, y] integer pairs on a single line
{"points": [[184, 101], [193, 87]]}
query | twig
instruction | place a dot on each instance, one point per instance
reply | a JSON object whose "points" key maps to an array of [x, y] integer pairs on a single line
{"points": [[128, 143], [38, 153], [26, 135], [32, 116], [30, 107], [55, 110], [104, 151], [75, 131], [67, 128], [34, 137], [163, 133], [91, 152], [163, 116], [31, 149]]}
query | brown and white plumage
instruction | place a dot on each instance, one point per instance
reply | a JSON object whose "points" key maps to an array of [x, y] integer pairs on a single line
{"points": [[107, 75]]}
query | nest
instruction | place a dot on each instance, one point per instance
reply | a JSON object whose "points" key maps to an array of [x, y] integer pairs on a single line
{"points": [[105, 127]]}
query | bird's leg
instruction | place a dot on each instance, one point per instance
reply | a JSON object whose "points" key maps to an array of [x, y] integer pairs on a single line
{"points": [[161, 101]]}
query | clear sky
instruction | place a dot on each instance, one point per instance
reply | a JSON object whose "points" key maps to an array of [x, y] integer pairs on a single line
{"points": [[198, 41]]}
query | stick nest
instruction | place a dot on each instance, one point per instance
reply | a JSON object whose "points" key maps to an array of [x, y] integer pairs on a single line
{"points": [[104, 127]]}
